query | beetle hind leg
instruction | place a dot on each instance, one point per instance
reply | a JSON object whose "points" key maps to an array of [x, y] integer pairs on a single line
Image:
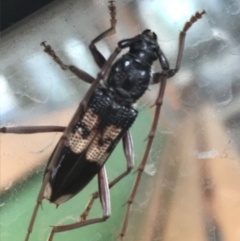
{"points": [[105, 202], [128, 151], [31, 129]]}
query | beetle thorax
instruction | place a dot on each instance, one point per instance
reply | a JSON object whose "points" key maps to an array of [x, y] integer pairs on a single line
{"points": [[128, 79]]}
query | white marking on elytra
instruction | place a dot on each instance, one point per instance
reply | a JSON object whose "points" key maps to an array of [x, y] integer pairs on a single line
{"points": [[75, 141], [95, 144], [98, 153]]}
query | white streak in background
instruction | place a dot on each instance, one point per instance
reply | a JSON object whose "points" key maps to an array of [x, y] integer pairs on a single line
{"points": [[80, 55], [49, 82], [150, 169], [207, 154], [233, 8], [174, 12], [8, 186], [179, 11], [7, 98]]}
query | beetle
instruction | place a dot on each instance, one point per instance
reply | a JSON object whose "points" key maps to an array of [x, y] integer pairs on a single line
{"points": [[102, 119]]}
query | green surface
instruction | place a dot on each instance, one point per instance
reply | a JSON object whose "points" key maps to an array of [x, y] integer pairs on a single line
{"points": [[16, 206]]}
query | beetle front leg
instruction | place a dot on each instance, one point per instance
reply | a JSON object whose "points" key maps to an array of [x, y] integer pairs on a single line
{"points": [[105, 202], [78, 72], [98, 57], [162, 79], [163, 60], [182, 37]]}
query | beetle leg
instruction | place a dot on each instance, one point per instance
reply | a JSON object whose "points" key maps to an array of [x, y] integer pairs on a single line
{"points": [[41, 195], [129, 154], [60, 146], [98, 57], [103, 188], [162, 79], [182, 37], [48, 173], [163, 60], [142, 164], [168, 73], [105, 202], [31, 129], [78, 72]]}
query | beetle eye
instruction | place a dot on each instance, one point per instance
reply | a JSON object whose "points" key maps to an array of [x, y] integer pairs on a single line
{"points": [[154, 35], [146, 31], [150, 33]]}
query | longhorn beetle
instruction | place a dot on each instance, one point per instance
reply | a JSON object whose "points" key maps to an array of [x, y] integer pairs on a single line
{"points": [[102, 119]]}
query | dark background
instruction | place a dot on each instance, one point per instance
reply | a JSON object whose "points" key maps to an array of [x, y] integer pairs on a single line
{"points": [[14, 10]]}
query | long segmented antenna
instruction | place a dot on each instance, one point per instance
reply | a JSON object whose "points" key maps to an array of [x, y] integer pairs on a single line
{"points": [[165, 75]]}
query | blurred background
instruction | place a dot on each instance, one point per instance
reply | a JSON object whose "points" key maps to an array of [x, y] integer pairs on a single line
{"points": [[190, 189]]}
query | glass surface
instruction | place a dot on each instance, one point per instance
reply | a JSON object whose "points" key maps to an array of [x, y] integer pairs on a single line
{"points": [[190, 189]]}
